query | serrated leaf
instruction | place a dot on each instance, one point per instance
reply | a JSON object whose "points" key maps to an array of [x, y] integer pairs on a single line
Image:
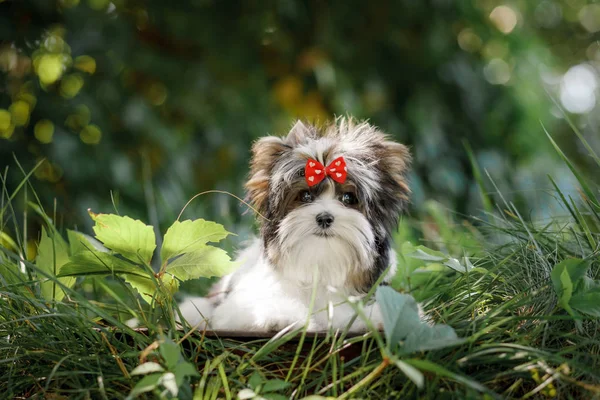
{"points": [[274, 385], [188, 236], [430, 338], [206, 262], [52, 255], [587, 302], [400, 314], [147, 368], [411, 373], [146, 384], [146, 287], [95, 263], [78, 242], [131, 238]]}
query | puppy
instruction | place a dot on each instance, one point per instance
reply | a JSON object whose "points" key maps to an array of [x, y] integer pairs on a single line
{"points": [[330, 198]]}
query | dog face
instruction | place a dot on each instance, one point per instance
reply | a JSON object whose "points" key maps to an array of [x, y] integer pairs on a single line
{"points": [[341, 230]]}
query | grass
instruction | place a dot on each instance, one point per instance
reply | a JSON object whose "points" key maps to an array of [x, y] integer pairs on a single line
{"points": [[519, 341]]}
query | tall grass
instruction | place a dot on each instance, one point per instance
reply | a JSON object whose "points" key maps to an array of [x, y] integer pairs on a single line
{"points": [[519, 342]]}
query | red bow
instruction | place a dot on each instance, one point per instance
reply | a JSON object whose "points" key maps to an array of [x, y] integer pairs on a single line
{"points": [[315, 172]]}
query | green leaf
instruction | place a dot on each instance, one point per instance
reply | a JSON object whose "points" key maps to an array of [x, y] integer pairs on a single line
{"points": [[146, 384], [427, 337], [274, 396], [53, 254], [587, 302], [564, 275], [427, 254], [78, 243], [147, 288], [400, 314], [275, 385], [131, 238], [188, 236], [411, 372], [255, 380], [205, 262], [147, 368], [171, 353], [95, 263], [182, 370]]}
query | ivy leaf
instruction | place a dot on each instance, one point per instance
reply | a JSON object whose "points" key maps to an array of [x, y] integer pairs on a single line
{"points": [[188, 236], [52, 255], [131, 238], [205, 262], [400, 314], [430, 338], [96, 263], [146, 287], [146, 384], [169, 350], [182, 370], [587, 302]]}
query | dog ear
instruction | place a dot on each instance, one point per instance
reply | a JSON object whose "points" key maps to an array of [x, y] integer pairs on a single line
{"points": [[298, 134], [265, 153], [395, 163]]}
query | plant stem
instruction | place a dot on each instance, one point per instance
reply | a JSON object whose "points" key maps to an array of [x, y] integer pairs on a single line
{"points": [[367, 379]]}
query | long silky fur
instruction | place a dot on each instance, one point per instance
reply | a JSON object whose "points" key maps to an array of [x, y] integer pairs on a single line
{"points": [[377, 167]]}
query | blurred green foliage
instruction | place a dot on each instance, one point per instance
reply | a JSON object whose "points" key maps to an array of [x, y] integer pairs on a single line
{"points": [[145, 103]]}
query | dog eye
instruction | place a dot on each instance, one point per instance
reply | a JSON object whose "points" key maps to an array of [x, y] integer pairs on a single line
{"points": [[349, 199], [305, 196]]}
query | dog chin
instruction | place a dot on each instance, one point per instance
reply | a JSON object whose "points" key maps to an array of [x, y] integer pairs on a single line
{"points": [[336, 255]]}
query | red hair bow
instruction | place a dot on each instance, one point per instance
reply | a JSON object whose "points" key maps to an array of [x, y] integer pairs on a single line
{"points": [[315, 172]]}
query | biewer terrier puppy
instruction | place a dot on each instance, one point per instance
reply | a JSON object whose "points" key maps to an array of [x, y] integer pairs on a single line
{"points": [[330, 199]]}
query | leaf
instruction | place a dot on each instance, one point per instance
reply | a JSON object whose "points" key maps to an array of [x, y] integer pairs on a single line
{"points": [[246, 394], [131, 238], [95, 263], [182, 370], [146, 384], [275, 385], [206, 262], [188, 236], [170, 352], [79, 242], [52, 256], [274, 396], [411, 373], [146, 287], [457, 266], [400, 314], [255, 380], [430, 338], [587, 302], [146, 368], [170, 383], [564, 275], [427, 254]]}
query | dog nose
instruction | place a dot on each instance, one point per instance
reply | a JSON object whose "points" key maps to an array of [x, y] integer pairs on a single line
{"points": [[324, 220]]}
